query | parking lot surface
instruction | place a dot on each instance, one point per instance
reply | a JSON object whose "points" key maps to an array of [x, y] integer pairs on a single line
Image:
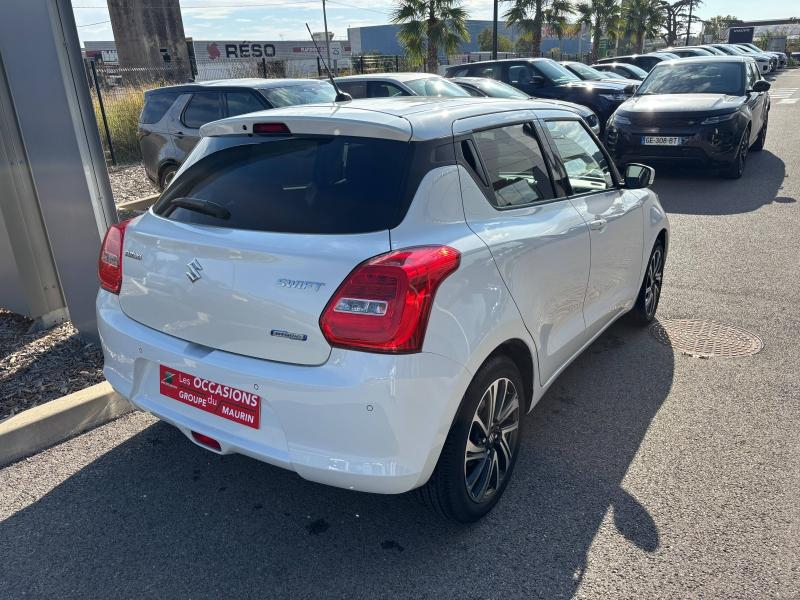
{"points": [[645, 473]]}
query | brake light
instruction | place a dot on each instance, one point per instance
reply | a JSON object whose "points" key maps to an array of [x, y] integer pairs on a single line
{"points": [[384, 304], [109, 268], [270, 128]]}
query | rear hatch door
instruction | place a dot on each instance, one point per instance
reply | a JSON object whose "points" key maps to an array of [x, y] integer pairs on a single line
{"points": [[249, 243]]}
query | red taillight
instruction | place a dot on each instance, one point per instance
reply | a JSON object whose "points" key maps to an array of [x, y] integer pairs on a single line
{"points": [[110, 265], [206, 440], [384, 304], [270, 128]]}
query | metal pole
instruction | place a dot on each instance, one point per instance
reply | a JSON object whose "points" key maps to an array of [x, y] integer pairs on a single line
{"points": [[689, 25], [494, 32], [327, 37], [103, 113], [264, 66]]}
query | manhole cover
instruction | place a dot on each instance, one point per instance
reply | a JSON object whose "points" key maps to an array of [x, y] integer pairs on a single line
{"points": [[705, 339]]}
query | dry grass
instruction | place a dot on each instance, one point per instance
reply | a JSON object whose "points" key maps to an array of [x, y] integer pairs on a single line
{"points": [[123, 105]]}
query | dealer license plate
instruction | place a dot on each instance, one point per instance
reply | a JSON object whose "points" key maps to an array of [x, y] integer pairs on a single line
{"points": [[218, 399], [661, 140]]}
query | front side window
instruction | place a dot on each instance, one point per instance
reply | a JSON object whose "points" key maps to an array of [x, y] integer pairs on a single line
{"points": [[586, 165], [384, 89], [554, 72], [240, 103], [436, 86], [519, 74], [515, 166], [357, 89], [203, 108]]}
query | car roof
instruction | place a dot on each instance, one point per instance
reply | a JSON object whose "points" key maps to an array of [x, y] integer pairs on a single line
{"points": [[401, 77], [709, 59], [250, 83], [400, 118], [499, 60]]}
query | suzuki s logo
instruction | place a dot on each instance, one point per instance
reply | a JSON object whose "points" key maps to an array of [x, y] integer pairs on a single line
{"points": [[194, 270]]}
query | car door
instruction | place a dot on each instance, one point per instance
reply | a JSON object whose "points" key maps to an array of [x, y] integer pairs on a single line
{"points": [[384, 89], [203, 107], [614, 216], [538, 240], [757, 101], [521, 75], [240, 102]]}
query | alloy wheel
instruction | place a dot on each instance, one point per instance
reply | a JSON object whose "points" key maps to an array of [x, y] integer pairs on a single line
{"points": [[492, 440], [743, 151], [652, 290]]}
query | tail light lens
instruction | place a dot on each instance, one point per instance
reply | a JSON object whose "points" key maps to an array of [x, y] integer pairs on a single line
{"points": [[110, 265], [384, 304]]}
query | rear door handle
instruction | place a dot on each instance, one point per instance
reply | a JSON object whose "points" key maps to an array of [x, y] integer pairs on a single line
{"points": [[597, 224]]}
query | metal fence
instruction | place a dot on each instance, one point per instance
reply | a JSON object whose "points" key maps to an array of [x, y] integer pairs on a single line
{"points": [[118, 91]]}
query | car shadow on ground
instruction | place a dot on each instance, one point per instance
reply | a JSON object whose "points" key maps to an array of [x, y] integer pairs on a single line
{"points": [[159, 517], [702, 191]]}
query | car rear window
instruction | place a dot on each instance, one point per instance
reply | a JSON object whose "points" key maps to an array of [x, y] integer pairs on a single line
{"points": [[314, 184], [156, 105]]}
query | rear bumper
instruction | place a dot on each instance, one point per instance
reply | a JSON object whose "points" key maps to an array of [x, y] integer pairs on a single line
{"points": [[368, 422]]}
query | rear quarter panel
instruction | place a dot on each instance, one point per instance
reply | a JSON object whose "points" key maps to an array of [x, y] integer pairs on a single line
{"points": [[473, 312]]}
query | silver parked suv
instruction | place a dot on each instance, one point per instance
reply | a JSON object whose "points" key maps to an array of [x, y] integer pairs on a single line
{"points": [[169, 126]]}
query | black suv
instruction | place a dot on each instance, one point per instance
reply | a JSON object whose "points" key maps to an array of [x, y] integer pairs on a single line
{"points": [[545, 78]]}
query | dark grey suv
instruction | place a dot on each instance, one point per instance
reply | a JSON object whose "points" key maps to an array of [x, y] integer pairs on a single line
{"points": [[169, 126]]}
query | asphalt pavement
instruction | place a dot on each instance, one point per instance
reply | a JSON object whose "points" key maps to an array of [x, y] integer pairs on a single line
{"points": [[645, 473]]}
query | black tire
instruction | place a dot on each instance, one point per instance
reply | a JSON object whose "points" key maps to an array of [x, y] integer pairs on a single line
{"points": [[762, 136], [736, 168], [447, 490], [644, 311], [166, 175]]}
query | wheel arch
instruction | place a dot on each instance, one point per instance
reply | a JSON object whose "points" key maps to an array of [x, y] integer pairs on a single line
{"points": [[520, 353]]}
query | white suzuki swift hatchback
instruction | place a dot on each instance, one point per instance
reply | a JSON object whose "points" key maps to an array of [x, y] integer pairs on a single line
{"points": [[372, 294]]}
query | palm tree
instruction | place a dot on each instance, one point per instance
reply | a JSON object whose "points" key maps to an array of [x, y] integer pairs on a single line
{"points": [[643, 19], [428, 26], [599, 15], [531, 15]]}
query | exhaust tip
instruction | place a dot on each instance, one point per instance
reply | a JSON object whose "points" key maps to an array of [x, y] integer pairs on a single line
{"points": [[206, 441]]}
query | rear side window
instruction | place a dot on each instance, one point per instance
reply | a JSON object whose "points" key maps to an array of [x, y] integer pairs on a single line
{"points": [[203, 108], [384, 89], [515, 166], [295, 185], [240, 103], [156, 106]]}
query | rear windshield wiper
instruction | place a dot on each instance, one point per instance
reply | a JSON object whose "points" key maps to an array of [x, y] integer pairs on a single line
{"points": [[205, 207]]}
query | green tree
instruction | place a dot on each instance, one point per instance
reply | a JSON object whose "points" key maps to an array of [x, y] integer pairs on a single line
{"points": [[600, 16], [504, 44], [676, 19], [428, 26], [718, 26], [642, 19], [531, 15]]}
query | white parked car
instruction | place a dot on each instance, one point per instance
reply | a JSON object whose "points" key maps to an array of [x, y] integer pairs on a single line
{"points": [[373, 294]]}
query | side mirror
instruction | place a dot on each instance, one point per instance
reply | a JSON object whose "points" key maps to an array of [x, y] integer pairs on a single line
{"points": [[761, 86], [639, 176], [537, 80], [630, 89]]}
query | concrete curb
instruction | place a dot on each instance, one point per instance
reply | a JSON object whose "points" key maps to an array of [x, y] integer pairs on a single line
{"points": [[139, 203], [43, 426]]}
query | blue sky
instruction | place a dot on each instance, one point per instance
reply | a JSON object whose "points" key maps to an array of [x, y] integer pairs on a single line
{"points": [[277, 19]]}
